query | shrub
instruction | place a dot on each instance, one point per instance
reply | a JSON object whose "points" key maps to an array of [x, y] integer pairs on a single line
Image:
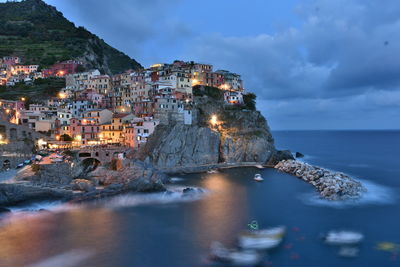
{"points": [[212, 92], [250, 101], [36, 168]]}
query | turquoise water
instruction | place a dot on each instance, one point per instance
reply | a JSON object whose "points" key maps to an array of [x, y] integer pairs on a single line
{"points": [[168, 230]]}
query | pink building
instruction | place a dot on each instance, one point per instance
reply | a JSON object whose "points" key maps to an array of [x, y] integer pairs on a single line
{"points": [[84, 131], [144, 108], [92, 95]]}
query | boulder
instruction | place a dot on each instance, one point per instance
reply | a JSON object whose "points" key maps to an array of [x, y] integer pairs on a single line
{"points": [[331, 185], [135, 176], [12, 194], [278, 156], [83, 185]]}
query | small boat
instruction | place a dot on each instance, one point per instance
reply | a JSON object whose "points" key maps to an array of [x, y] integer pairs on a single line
{"points": [[262, 239], [19, 166], [259, 166], [57, 160], [343, 238], [212, 171], [258, 178], [234, 257]]}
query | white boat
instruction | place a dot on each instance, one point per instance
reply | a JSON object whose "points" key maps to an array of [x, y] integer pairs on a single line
{"points": [[258, 178], [262, 239], [343, 238], [235, 257], [211, 171], [259, 166]]}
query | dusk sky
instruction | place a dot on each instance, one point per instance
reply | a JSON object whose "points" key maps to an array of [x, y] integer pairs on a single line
{"points": [[318, 64]]}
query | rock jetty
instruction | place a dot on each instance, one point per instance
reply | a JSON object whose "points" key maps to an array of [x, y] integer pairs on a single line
{"points": [[331, 185]]}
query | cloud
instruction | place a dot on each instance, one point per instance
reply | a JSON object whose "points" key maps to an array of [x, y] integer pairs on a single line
{"points": [[337, 68]]}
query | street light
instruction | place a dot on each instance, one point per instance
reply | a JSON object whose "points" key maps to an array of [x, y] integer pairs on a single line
{"points": [[214, 120], [23, 98]]}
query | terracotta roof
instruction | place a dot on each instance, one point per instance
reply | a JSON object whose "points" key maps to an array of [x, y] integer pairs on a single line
{"points": [[120, 115]]}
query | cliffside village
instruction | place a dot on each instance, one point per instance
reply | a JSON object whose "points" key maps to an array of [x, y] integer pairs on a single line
{"points": [[95, 109]]}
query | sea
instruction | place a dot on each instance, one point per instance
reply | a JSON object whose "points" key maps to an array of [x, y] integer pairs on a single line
{"points": [[171, 229]]}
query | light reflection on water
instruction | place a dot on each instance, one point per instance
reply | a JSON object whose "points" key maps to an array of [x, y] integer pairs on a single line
{"points": [[221, 212], [34, 237]]}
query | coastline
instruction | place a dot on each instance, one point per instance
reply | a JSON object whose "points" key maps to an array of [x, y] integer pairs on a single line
{"points": [[207, 167], [19, 188]]}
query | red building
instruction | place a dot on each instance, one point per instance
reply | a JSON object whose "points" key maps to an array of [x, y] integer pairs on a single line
{"points": [[62, 68]]}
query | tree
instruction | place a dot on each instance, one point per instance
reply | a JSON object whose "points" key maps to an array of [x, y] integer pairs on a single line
{"points": [[66, 137], [250, 101]]}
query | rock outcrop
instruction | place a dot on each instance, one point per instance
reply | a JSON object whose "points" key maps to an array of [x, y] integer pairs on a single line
{"points": [[46, 174], [241, 135], [12, 194], [180, 145], [134, 176], [54, 181], [83, 185], [331, 185]]}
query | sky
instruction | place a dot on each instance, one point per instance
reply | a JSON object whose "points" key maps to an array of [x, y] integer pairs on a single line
{"points": [[314, 64]]}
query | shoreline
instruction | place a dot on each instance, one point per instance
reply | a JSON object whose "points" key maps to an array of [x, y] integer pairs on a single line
{"points": [[329, 184], [204, 168]]}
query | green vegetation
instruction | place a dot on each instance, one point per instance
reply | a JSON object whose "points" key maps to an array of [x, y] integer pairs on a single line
{"points": [[212, 92], [35, 168], [37, 92], [40, 34], [66, 137], [250, 101]]}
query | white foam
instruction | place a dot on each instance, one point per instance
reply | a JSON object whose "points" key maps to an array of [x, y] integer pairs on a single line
{"points": [[376, 194], [37, 206], [176, 179], [174, 195], [67, 259]]}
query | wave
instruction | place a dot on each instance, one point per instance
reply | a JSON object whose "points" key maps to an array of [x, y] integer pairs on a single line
{"points": [[67, 259], [173, 195], [176, 179], [37, 206], [376, 194]]}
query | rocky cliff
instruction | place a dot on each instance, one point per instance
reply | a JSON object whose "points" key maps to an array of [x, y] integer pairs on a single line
{"points": [[240, 135]]}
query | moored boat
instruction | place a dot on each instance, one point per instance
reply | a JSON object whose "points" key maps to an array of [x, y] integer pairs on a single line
{"points": [[343, 237], [262, 239], [233, 256], [258, 178]]}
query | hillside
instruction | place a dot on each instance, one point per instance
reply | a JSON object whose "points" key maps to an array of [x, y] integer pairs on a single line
{"points": [[37, 92], [40, 34]]}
